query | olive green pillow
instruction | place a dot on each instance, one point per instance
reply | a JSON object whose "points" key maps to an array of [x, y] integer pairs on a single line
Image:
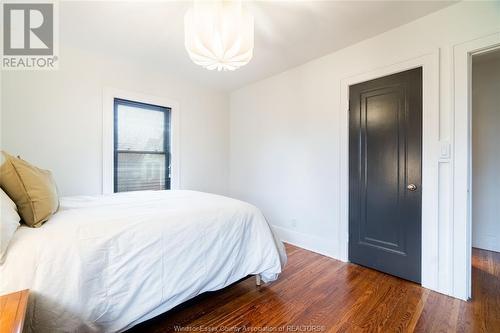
{"points": [[32, 189]]}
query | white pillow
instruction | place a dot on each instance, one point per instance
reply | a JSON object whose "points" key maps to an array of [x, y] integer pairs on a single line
{"points": [[9, 221]]}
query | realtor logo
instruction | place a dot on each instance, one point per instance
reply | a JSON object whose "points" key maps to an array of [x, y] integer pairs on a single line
{"points": [[29, 32]]}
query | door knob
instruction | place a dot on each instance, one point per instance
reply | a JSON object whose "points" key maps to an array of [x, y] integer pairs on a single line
{"points": [[411, 187]]}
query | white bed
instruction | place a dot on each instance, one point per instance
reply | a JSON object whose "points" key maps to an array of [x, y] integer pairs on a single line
{"points": [[107, 263]]}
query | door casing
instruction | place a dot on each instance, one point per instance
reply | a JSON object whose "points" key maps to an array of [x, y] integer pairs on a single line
{"points": [[462, 170]]}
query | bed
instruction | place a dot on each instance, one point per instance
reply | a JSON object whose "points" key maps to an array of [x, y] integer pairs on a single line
{"points": [[107, 263]]}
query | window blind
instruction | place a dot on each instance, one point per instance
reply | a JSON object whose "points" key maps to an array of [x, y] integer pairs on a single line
{"points": [[142, 147]]}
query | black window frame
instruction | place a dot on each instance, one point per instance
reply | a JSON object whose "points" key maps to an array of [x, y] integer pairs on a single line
{"points": [[167, 113]]}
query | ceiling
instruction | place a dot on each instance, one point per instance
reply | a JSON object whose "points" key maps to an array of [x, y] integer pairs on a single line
{"points": [[493, 55], [287, 33]]}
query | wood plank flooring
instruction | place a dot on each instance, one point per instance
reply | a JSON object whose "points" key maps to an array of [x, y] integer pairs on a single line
{"points": [[319, 294]]}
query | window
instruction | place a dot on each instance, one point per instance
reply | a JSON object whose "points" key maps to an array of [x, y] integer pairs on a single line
{"points": [[141, 146]]}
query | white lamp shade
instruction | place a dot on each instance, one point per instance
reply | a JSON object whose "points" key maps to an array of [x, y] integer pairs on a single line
{"points": [[219, 34]]}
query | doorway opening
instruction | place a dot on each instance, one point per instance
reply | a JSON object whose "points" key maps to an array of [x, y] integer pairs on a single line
{"points": [[485, 167]]}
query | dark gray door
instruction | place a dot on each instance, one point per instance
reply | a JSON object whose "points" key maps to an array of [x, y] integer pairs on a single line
{"points": [[385, 174]]}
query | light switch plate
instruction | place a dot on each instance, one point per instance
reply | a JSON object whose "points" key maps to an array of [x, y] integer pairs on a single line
{"points": [[445, 150]]}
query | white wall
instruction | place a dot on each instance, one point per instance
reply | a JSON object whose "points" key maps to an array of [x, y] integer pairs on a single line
{"points": [[486, 154], [284, 154], [54, 119]]}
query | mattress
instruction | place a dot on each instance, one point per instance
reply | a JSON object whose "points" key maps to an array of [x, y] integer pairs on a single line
{"points": [[107, 263]]}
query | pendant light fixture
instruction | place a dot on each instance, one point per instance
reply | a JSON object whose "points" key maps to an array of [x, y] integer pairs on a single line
{"points": [[219, 34]]}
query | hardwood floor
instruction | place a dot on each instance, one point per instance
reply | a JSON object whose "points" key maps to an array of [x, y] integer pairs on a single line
{"points": [[319, 294]]}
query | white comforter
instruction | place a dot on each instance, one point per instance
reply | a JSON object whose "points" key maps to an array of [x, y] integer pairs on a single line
{"points": [[106, 263]]}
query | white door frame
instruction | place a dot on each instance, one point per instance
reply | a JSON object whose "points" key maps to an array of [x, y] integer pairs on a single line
{"points": [[108, 97], [430, 159], [462, 209]]}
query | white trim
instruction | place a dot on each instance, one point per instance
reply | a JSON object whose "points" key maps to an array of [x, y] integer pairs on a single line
{"points": [[306, 241], [109, 94], [462, 226], [430, 160], [486, 242]]}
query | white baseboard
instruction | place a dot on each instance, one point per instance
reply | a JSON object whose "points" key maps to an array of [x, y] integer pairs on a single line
{"points": [[326, 247], [487, 242]]}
